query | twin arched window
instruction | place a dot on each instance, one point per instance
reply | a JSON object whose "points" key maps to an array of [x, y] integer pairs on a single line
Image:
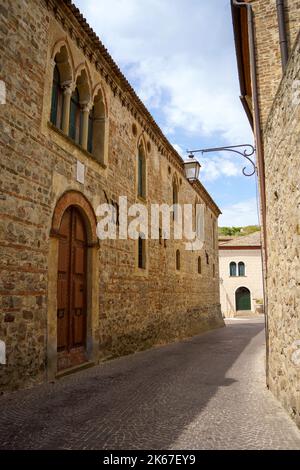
{"points": [[74, 110], [233, 269]]}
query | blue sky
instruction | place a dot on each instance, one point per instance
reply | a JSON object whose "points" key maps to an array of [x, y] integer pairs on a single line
{"points": [[179, 57]]}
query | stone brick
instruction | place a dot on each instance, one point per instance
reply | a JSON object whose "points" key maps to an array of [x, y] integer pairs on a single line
{"points": [[129, 311]]}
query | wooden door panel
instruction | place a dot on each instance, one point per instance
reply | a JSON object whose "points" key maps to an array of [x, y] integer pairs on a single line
{"points": [[62, 329], [71, 285], [78, 322], [63, 256], [80, 234], [79, 265]]}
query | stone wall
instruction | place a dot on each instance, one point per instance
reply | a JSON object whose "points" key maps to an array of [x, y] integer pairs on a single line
{"points": [[269, 70], [129, 309], [282, 150]]}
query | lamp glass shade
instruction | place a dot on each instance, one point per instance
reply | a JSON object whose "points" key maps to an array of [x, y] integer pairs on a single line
{"points": [[192, 169]]}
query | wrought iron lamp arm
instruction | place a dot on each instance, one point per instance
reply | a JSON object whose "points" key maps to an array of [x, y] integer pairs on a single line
{"points": [[248, 151]]}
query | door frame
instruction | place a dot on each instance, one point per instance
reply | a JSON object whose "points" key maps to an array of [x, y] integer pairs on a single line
{"points": [[235, 298], [77, 199]]}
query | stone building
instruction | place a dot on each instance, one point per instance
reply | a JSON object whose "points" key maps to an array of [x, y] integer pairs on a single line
{"points": [[268, 56], [241, 282], [73, 135]]}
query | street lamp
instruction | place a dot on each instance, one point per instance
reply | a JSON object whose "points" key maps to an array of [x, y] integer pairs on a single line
{"points": [[246, 152], [192, 168]]}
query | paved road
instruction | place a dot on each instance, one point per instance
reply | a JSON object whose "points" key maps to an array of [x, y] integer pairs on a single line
{"points": [[204, 393]]}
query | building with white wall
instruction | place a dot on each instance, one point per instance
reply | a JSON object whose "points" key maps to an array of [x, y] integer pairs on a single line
{"points": [[241, 281]]}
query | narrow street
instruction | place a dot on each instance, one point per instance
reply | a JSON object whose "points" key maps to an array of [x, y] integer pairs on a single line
{"points": [[203, 393]]}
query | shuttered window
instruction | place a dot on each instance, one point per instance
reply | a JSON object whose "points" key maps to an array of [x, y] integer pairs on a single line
{"points": [[232, 269], [241, 269]]}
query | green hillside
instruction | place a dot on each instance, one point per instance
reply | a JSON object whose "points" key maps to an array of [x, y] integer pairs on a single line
{"points": [[238, 231]]}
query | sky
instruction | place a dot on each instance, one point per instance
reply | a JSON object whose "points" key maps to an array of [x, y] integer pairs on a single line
{"points": [[180, 59]]}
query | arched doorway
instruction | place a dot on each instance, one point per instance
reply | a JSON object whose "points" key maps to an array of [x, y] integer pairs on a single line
{"points": [[242, 299], [73, 285], [71, 290]]}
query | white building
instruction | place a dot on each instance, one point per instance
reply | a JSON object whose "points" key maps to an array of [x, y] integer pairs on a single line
{"points": [[241, 281]]}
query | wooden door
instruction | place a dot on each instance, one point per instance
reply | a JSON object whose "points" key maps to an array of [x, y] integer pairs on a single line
{"points": [[71, 288]]}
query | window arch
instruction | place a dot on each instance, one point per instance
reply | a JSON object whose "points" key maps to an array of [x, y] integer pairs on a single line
{"points": [[79, 118], [232, 269], [57, 99], [175, 197], [199, 265], [241, 268], [96, 128], [178, 260], [75, 124], [141, 252], [141, 172], [62, 77]]}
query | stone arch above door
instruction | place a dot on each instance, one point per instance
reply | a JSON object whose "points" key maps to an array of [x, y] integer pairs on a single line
{"points": [[77, 199]]}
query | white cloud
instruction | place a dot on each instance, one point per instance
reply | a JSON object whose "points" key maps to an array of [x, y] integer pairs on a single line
{"points": [[239, 214], [180, 56]]}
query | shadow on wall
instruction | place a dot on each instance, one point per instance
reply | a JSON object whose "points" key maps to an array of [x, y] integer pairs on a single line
{"points": [[144, 401]]}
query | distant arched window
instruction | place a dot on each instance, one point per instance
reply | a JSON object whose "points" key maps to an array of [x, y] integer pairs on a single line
{"points": [[214, 270], [141, 252], [177, 260], [97, 128], [57, 99], [175, 198], [75, 126], [199, 265], [241, 268], [232, 269], [141, 172], [62, 75]]}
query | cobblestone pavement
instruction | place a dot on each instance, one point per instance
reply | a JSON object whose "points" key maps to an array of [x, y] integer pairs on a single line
{"points": [[203, 393]]}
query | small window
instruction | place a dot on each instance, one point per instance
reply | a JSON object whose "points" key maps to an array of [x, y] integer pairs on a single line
{"points": [[57, 99], [214, 270], [90, 130], [141, 172], [175, 199], [75, 118], [141, 253], [232, 269], [207, 258], [199, 265], [97, 129], [241, 268], [178, 260]]}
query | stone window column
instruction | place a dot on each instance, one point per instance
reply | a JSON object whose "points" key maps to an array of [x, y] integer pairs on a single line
{"points": [[67, 90], [86, 107]]}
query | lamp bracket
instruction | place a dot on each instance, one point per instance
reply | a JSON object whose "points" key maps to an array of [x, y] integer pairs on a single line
{"points": [[248, 151]]}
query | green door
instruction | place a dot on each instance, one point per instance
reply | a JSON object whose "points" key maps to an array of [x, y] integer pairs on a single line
{"points": [[242, 299]]}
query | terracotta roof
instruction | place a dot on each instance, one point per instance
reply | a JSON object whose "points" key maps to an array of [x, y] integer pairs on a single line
{"points": [[253, 240]]}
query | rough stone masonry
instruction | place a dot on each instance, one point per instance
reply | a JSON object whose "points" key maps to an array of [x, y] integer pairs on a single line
{"points": [[126, 308]]}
